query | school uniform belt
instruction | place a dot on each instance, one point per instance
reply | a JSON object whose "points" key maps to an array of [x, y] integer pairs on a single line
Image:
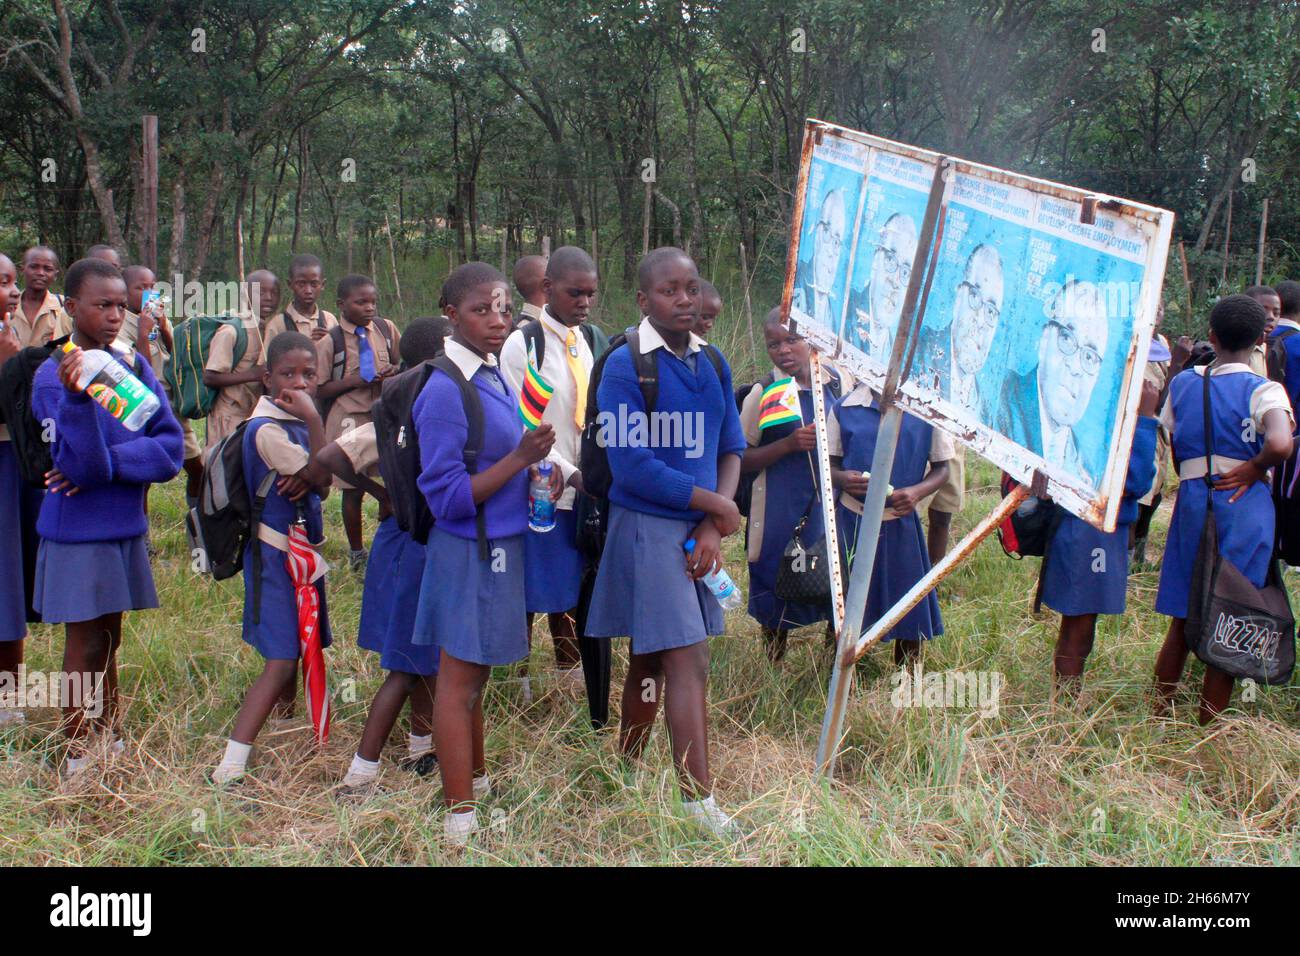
{"points": [[268, 535], [854, 505], [1195, 467]]}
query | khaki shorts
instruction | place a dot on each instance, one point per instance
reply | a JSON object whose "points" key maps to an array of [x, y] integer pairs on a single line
{"points": [[192, 449], [951, 495]]}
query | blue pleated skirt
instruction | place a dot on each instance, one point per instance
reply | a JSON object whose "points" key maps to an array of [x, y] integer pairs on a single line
{"points": [[80, 582], [1087, 569], [553, 566], [13, 575], [274, 633], [473, 609], [390, 600], [901, 561], [1245, 538], [642, 589]]}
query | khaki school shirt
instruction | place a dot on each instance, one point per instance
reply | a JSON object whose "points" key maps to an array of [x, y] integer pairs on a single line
{"points": [[236, 401], [357, 401], [51, 322], [291, 318]]}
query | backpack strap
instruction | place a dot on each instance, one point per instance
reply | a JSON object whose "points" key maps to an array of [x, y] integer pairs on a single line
{"points": [[1209, 440], [473, 441], [646, 367], [340, 353], [534, 341], [715, 357]]}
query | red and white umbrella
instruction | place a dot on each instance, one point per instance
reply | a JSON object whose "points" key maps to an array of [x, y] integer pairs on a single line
{"points": [[305, 567]]}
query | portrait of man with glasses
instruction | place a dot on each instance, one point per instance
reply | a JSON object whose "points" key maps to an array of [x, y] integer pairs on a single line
{"points": [[875, 311], [955, 356], [1042, 408], [815, 294]]}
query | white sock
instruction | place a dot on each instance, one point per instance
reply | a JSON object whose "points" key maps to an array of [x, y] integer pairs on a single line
{"points": [[459, 827], [362, 771], [482, 786], [419, 746], [234, 763], [117, 747], [8, 716], [76, 764], [527, 686]]}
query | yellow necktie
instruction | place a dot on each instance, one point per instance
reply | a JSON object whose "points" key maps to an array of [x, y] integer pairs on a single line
{"points": [[579, 372]]}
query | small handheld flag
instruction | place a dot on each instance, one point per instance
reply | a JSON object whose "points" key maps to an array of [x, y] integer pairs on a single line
{"points": [[779, 404], [533, 398]]}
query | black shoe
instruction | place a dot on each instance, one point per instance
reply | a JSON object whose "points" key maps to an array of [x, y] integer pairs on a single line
{"points": [[422, 765]]}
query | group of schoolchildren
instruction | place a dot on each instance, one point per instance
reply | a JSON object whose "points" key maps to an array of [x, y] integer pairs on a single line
{"points": [[302, 383]]}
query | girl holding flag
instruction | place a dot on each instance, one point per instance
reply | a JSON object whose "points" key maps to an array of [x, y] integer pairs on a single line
{"points": [[782, 451], [472, 593]]}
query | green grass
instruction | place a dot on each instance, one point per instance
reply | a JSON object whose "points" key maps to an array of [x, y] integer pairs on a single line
{"points": [[1097, 781]]}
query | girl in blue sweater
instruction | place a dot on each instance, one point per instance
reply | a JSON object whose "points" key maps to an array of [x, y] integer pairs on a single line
{"points": [[93, 564], [674, 479], [472, 592]]}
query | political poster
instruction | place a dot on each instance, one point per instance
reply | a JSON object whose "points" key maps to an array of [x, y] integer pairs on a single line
{"points": [[1033, 316]]}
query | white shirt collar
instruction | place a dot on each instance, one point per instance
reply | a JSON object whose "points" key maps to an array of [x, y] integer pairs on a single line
{"points": [[1224, 369], [861, 395], [1289, 323], [651, 339], [532, 311], [467, 360], [555, 325], [266, 408]]}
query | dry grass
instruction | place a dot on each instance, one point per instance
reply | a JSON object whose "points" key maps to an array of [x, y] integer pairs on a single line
{"points": [[1094, 781]]}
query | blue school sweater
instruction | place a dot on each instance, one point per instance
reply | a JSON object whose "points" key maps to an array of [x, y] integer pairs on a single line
{"points": [[440, 423], [659, 480], [110, 464]]}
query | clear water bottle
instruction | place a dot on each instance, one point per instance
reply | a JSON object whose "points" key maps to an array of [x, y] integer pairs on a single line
{"points": [[719, 583], [115, 388], [541, 505]]}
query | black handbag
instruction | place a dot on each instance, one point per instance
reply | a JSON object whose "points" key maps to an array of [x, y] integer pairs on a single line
{"points": [[804, 576], [1233, 626]]}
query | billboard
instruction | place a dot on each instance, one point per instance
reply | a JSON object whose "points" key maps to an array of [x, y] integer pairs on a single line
{"points": [[1036, 310]]}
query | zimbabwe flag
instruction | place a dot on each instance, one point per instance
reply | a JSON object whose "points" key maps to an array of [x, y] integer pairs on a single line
{"points": [[779, 404], [533, 398]]}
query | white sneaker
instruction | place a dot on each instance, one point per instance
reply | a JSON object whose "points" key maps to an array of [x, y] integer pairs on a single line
{"points": [[708, 815], [226, 774], [458, 828]]}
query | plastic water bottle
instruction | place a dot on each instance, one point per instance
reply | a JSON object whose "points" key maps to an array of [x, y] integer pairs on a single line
{"points": [[115, 388], [719, 583], [541, 506]]}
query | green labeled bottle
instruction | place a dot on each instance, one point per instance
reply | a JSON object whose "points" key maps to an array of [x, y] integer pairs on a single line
{"points": [[115, 388]]}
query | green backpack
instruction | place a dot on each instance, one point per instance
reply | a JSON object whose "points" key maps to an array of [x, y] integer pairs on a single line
{"points": [[192, 341]]}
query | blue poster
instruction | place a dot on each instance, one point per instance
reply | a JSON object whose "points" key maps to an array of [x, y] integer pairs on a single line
{"points": [[898, 190], [830, 217]]}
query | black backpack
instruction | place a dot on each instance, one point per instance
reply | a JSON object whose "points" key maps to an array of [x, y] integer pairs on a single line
{"points": [[410, 463], [1275, 355], [593, 461], [399, 449], [27, 435], [340, 358], [227, 515]]}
